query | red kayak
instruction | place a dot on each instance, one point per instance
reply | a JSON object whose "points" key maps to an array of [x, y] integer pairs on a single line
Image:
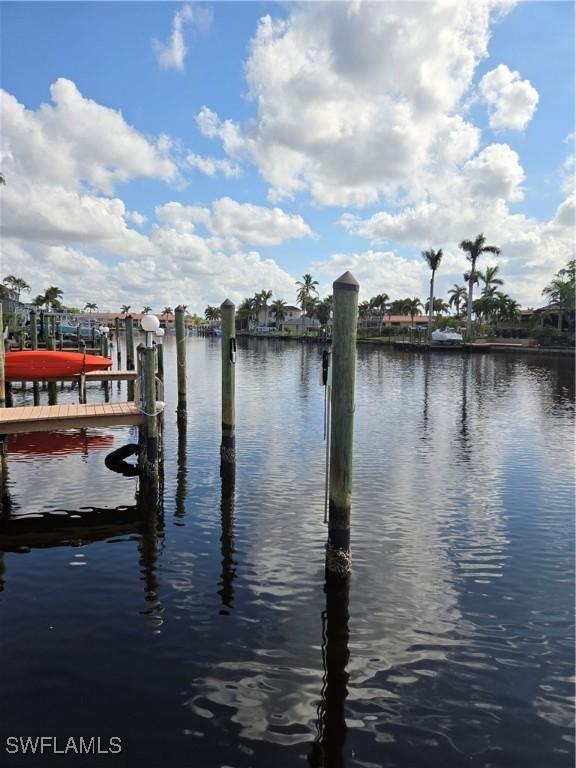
{"points": [[42, 364]]}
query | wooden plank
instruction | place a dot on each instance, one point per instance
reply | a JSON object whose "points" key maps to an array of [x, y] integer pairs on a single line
{"points": [[52, 417]]}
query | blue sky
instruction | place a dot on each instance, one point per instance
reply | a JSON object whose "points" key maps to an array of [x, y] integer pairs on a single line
{"points": [[158, 153]]}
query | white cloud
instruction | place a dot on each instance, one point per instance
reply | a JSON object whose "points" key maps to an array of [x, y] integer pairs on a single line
{"points": [[511, 101], [233, 223], [355, 100], [172, 54], [63, 144], [211, 166]]}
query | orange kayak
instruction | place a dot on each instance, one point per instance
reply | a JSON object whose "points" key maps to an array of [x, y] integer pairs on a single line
{"points": [[43, 364]]}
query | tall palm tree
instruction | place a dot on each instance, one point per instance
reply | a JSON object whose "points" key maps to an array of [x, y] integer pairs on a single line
{"points": [[457, 296], [562, 290], [433, 259], [364, 309], [263, 297], [167, 311], [474, 249], [246, 310], [439, 307], [380, 303], [146, 309], [490, 280], [125, 308], [306, 290], [16, 284], [277, 308]]}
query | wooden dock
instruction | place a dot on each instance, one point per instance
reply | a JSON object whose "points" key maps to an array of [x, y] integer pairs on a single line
{"points": [[46, 418], [104, 375]]}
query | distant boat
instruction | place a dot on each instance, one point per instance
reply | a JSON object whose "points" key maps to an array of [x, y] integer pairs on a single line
{"points": [[42, 364], [447, 337]]}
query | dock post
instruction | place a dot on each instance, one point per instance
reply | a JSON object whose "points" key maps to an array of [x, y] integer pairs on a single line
{"points": [[181, 360], [338, 557], [33, 329], [150, 464], [228, 444], [117, 335], [2, 378], [129, 327], [79, 337], [160, 357]]}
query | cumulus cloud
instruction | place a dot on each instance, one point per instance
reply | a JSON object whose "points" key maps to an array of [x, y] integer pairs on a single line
{"points": [[62, 143], [211, 166], [355, 99], [511, 101], [236, 223], [172, 54]]}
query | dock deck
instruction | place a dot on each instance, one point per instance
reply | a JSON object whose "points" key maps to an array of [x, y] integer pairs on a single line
{"points": [[46, 418]]}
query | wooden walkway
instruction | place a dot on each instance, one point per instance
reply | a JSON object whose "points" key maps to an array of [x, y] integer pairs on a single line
{"points": [[46, 418]]}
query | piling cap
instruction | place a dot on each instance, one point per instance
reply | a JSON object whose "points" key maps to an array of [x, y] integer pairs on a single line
{"points": [[346, 282], [227, 303]]}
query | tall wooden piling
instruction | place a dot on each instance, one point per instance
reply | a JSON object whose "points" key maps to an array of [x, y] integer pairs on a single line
{"points": [[150, 464], [338, 557], [129, 335], [179, 313], [33, 329], [228, 444], [52, 388], [117, 336], [2, 375]]}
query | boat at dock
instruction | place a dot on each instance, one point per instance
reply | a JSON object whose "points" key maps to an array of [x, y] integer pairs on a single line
{"points": [[42, 364]]}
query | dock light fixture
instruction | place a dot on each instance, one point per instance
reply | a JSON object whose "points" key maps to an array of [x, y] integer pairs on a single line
{"points": [[150, 324], [159, 335]]}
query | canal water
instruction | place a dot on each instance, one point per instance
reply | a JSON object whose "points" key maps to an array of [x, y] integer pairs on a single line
{"points": [[196, 627]]}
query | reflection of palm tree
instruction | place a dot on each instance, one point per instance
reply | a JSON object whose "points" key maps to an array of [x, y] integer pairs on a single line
{"points": [[433, 259], [306, 290], [474, 249]]}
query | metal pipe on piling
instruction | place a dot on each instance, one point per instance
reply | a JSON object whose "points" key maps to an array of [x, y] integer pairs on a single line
{"points": [[228, 444], [338, 557], [181, 359]]}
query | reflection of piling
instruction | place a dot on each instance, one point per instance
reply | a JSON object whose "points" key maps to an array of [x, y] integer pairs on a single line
{"points": [[228, 572], [228, 445], [149, 503], [117, 337], [129, 326], [2, 374], [327, 750], [52, 388], [338, 558], [182, 471], [181, 359]]}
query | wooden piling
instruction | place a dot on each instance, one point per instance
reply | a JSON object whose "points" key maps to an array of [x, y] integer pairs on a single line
{"points": [[228, 444], [181, 359], [160, 359], [52, 387], [129, 335], [33, 329], [338, 557], [117, 336], [2, 374], [150, 453]]}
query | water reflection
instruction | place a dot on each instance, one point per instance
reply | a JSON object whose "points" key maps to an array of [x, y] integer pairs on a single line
{"points": [[228, 572], [181, 468], [327, 749]]}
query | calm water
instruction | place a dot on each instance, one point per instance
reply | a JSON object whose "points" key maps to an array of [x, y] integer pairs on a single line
{"points": [[199, 631]]}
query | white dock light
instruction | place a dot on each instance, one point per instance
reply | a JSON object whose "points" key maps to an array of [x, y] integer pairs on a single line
{"points": [[150, 324], [159, 335]]}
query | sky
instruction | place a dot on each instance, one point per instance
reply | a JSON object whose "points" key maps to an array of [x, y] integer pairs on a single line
{"points": [[166, 153]]}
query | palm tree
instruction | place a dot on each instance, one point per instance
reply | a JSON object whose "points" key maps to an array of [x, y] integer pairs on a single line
{"points": [[145, 310], [505, 307], [457, 296], [433, 259], [561, 290], [306, 291], [474, 249], [277, 309], [167, 311], [412, 307], [364, 309], [52, 297], [324, 310], [212, 314], [246, 310], [125, 308], [490, 280], [380, 303], [16, 284], [439, 307], [263, 297]]}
